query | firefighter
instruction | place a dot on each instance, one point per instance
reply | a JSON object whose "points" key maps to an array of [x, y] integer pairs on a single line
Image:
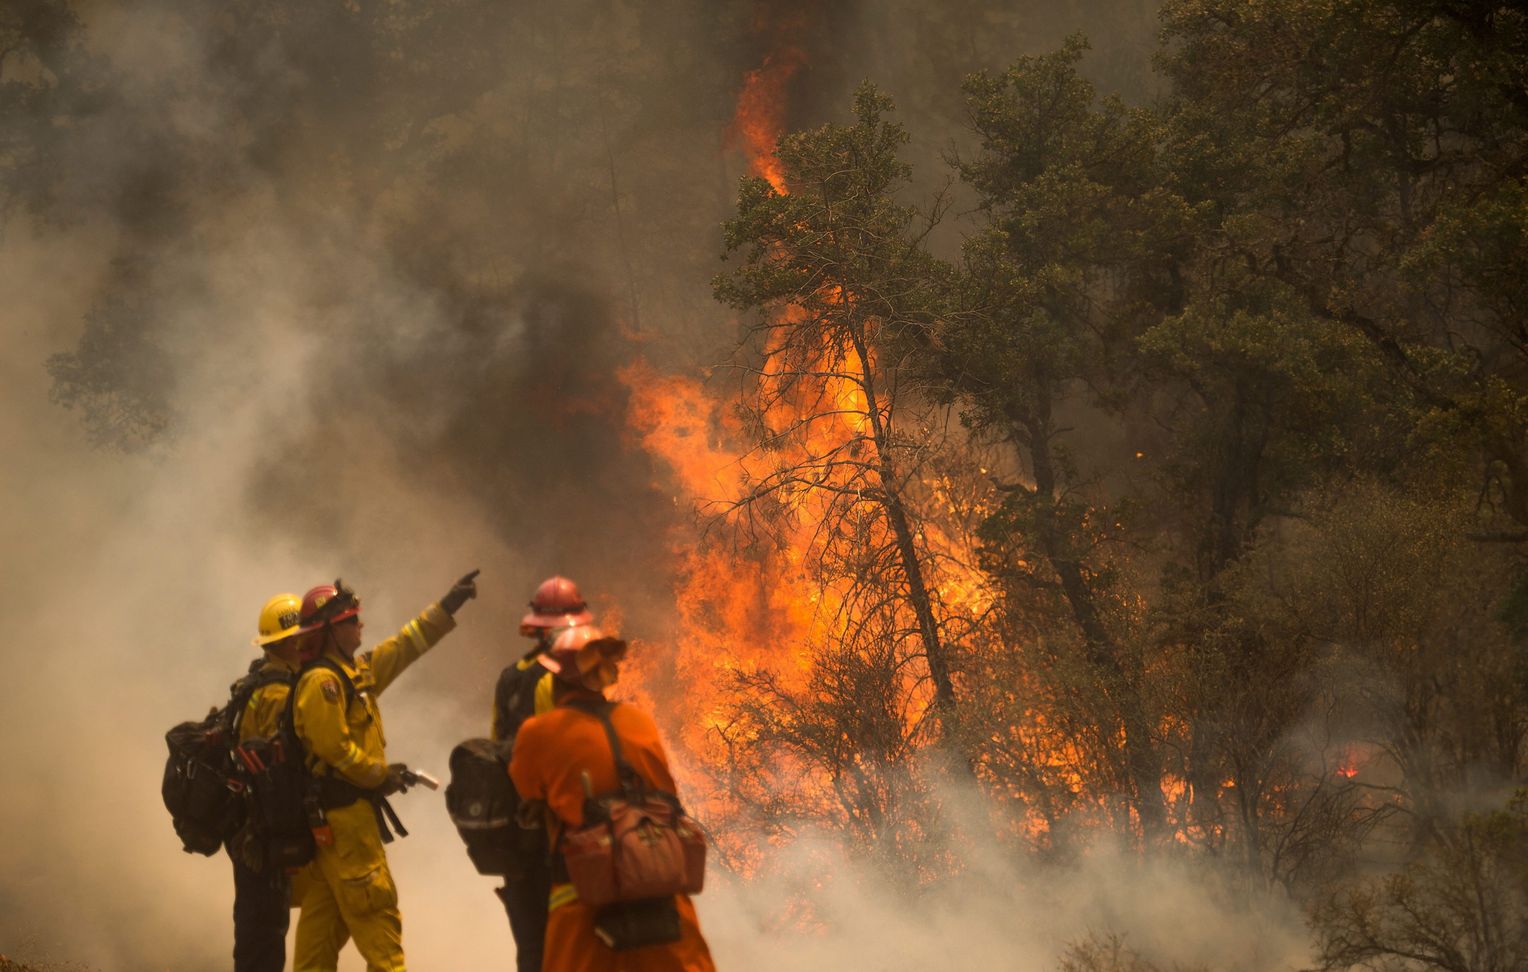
{"points": [[349, 890], [261, 901], [556, 757], [524, 689]]}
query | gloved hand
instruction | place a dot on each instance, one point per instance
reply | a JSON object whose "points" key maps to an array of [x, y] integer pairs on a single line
{"points": [[459, 593], [395, 779]]}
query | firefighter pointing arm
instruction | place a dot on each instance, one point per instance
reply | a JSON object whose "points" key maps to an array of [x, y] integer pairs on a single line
{"points": [[350, 893]]}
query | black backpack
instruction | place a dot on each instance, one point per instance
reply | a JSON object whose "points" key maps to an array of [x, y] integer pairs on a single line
{"points": [[485, 808], [203, 788], [280, 792]]}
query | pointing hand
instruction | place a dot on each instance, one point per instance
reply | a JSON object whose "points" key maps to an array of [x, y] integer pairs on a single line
{"points": [[459, 593]]}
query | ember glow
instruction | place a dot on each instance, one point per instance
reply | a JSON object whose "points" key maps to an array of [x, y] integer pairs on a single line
{"points": [[1351, 760]]}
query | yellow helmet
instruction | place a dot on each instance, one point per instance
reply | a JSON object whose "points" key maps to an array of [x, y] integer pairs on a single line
{"points": [[279, 619]]}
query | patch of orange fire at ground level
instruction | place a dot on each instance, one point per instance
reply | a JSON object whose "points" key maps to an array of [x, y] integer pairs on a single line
{"points": [[1352, 758]]}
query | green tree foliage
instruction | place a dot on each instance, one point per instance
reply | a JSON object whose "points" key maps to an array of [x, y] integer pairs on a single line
{"points": [[1336, 327], [1368, 157], [1254, 363], [1077, 238]]}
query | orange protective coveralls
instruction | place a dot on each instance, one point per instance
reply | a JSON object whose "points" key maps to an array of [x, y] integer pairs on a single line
{"points": [[552, 751], [348, 891]]}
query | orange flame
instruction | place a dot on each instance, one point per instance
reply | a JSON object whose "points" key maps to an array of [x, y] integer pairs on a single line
{"points": [[1351, 759], [760, 116], [746, 609], [759, 606]]}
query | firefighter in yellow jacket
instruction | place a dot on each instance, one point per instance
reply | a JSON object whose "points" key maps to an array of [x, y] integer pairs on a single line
{"points": [[349, 892], [261, 892]]}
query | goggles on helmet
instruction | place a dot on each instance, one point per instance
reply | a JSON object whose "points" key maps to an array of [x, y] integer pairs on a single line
{"points": [[342, 605]]}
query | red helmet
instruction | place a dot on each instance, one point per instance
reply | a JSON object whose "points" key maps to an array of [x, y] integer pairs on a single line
{"points": [[556, 604], [327, 604], [585, 656]]}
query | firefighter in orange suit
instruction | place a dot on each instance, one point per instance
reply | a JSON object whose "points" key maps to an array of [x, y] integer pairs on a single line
{"points": [[556, 755], [524, 689], [349, 891], [261, 894]]}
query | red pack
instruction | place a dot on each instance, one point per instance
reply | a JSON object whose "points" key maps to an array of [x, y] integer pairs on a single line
{"points": [[634, 845]]}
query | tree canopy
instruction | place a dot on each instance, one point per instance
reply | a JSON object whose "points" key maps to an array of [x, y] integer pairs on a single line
{"points": [[1252, 360]]}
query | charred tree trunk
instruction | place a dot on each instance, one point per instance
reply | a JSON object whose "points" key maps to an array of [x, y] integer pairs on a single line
{"points": [[918, 595], [1235, 496], [1104, 654]]}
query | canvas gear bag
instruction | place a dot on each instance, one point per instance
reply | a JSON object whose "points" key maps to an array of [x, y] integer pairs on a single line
{"points": [[485, 808], [203, 787], [635, 845]]}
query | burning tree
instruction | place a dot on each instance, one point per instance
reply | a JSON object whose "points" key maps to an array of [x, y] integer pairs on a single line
{"points": [[845, 459]]}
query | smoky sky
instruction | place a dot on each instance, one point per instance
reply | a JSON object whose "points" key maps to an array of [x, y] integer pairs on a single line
{"points": [[305, 289], [495, 206]]}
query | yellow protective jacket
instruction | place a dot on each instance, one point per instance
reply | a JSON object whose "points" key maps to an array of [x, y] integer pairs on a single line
{"points": [[349, 741], [262, 713]]}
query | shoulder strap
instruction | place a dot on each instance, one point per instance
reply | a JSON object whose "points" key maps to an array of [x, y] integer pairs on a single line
{"points": [[245, 688], [506, 702], [334, 667], [632, 784], [274, 675], [287, 720], [239, 691]]}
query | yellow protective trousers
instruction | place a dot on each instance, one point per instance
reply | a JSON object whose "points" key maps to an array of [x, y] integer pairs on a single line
{"points": [[349, 894]]}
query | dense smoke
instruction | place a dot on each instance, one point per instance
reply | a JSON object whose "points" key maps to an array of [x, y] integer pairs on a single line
{"points": [[343, 289]]}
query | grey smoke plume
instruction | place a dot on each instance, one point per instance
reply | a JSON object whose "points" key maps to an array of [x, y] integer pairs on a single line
{"points": [[353, 291]]}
